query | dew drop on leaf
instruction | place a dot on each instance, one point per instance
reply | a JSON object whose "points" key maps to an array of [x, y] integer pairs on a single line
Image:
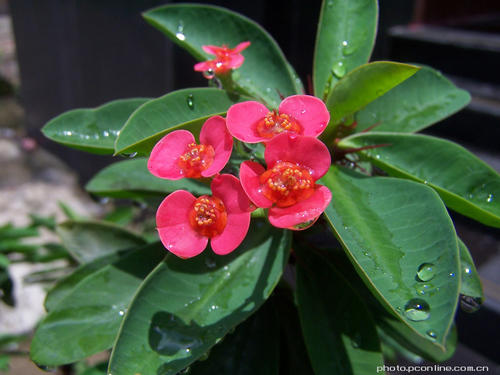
{"points": [[431, 334], [489, 199], [190, 101], [417, 310], [180, 32], [133, 155], [426, 272], [339, 69], [210, 262]]}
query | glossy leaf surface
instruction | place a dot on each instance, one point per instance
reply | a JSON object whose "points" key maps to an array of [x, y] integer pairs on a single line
{"points": [[391, 230], [471, 283], [185, 306], [89, 240], [345, 38], [87, 319], [465, 183], [131, 179], [422, 100], [65, 285], [339, 331], [265, 72], [92, 130], [182, 109], [363, 85], [253, 348]]}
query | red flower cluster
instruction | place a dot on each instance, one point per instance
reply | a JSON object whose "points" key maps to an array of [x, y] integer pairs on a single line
{"points": [[225, 58], [295, 160]]}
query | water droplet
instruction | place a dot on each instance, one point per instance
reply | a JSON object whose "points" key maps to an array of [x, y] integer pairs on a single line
{"points": [[180, 32], [345, 43], [133, 155], [347, 48], [426, 182], [417, 310], [426, 272], [329, 4], [339, 69], [105, 133], [210, 262], [185, 371], [121, 312], [431, 334], [451, 274], [422, 289], [489, 199], [469, 304], [190, 101], [67, 133], [209, 74], [377, 156], [188, 350]]}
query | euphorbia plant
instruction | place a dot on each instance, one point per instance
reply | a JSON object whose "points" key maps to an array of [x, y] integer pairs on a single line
{"points": [[330, 185]]}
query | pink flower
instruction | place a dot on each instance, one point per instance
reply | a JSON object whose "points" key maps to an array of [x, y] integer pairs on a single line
{"points": [[177, 155], [185, 223], [288, 186], [252, 122], [225, 58]]}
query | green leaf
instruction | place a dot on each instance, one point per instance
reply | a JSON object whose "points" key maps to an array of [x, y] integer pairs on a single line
{"points": [[10, 232], [422, 100], [465, 183], [100, 369], [185, 306], [6, 287], [87, 319], [252, 349], [400, 239], [182, 109], [339, 331], [363, 85], [345, 38], [265, 74], [131, 179], [92, 130], [88, 240], [471, 283], [65, 285]]}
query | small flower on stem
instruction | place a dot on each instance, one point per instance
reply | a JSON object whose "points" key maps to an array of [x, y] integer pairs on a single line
{"points": [[252, 122], [288, 186], [177, 154], [225, 60], [186, 223]]}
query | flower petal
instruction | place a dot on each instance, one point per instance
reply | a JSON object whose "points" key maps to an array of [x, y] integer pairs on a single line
{"points": [[309, 111], [172, 221], [228, 188], [235, 61], [249, 177], [303, 211], [240, 47], [204, 66], [308, 152], [214, 133], [212, 50], [241, 120], [235, 231], [163, 161]]}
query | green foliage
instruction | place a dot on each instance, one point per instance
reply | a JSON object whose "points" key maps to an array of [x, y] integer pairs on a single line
{"points": [[390, 285]]}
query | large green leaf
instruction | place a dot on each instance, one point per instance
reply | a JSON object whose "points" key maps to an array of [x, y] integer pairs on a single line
{"points": [[131, 179], [88, 240], [471, 283], [422, 100], [400, 239], [345, 38], [464, 182], [182, 109], [339, 331], [253, 348], [65, 285], [87, 319], [92, 130], [363, 85], [265, 74], [185, 306]]}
